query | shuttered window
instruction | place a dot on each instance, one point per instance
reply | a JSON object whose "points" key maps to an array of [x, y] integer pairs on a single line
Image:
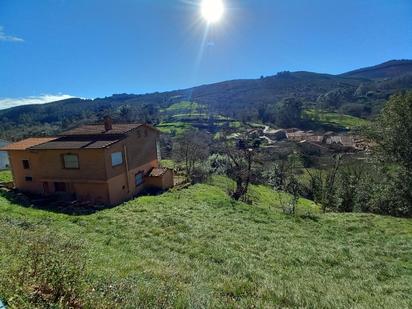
{"points": [[26, 164], [71, 161]]}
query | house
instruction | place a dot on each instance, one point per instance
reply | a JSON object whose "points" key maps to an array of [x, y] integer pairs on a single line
{"points": [[342, 140], [276, 135], [102, 163], [4, 159]]}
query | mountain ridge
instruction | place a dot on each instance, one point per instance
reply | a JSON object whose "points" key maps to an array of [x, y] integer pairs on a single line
{"points": [[244, 99], [391, 68], [357, 75]]}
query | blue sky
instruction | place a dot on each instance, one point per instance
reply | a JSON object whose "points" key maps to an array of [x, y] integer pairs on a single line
{"points": [[94, 48]]}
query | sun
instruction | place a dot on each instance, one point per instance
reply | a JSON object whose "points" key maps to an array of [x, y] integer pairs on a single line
{"points": [[212, 10]]}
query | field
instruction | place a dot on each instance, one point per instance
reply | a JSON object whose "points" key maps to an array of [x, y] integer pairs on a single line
{"points": [[340, 120], [174, 127], [196, 248]]}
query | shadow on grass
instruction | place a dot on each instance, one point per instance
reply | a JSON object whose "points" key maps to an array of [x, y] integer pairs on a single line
{"points": [[63, 204]]}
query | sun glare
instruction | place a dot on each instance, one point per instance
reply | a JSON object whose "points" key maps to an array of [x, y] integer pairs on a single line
{"points": [[212, 10]]}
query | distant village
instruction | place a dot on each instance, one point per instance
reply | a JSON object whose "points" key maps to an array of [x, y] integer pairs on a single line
{"points": [[311, 139]]}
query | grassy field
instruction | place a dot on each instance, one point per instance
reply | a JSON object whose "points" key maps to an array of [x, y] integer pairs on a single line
{"points": [[174, 127], [184, 107], [345, 121], [5, 176], [197, 248]]}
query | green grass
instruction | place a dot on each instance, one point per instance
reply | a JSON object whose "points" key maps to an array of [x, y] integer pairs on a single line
{"points": [[201, 116], [5, 176], [184, 106], [235, 124], [176, 127], [197, 248], [341, 120], [168, 164]]}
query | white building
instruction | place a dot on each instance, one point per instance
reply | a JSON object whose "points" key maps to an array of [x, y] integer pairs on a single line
{"points": [[4, 159]]}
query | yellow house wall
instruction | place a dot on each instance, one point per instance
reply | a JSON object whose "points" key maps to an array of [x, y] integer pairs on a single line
{"points": [[96, 180], [122, 188]]}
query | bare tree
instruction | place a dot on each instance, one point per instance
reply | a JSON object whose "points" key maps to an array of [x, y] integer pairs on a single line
{"points": [[241, 156], [190, 149], [324, 186], [283, 179]]}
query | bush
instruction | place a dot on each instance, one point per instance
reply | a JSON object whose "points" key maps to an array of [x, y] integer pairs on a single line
{"points": [[375, 190], [392, 195]]}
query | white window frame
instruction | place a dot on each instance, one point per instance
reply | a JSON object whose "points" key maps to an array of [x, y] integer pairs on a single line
{"points": [[117, 158]]}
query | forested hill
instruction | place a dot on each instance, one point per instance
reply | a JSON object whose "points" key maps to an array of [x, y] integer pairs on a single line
{"points": [[361, 93], [390, 69]]}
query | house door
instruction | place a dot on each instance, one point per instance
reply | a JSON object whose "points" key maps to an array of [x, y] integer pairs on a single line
{"points": [[60, 187], [46, 189]]}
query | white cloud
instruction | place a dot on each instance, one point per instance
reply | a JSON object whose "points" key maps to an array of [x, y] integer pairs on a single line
{"points": [[8, 38], [46, 98]]}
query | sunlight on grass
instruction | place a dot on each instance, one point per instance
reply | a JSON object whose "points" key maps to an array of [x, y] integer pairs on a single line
{"points": [[198, 248], [174, 127], [342, 120]]}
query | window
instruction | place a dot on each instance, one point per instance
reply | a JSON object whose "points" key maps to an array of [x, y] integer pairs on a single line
{"points": [[117, 158], [71, 161], [139, 179], [28, 178], [26, 164]]}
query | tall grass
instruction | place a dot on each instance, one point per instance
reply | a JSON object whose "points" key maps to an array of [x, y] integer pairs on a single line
{"points": [[197, 248]]}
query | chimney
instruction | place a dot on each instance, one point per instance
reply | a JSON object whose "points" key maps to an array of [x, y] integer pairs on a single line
{"points": [[108, 123]]}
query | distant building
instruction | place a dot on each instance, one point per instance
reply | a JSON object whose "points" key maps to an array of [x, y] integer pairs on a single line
{"points": [[276, 135], [342, 140], [4, 158], [107, 163]]}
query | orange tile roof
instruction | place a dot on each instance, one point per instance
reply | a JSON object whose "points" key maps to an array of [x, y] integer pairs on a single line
{"points": [[27, 143]]}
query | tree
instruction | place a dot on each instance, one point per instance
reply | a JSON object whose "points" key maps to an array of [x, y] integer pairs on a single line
{"points": [[283, 178], [324, 187], [288, 113], [191, 149], [126, 114], [393, 131], [241, 155]]}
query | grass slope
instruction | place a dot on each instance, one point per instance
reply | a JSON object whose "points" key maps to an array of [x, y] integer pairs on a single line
{"points": [[197, 248], [341, 120], [174, 127]]}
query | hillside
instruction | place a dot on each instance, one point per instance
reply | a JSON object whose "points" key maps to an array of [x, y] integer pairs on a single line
{"points": [[197, 248], [389, 69], [359, 93]]}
